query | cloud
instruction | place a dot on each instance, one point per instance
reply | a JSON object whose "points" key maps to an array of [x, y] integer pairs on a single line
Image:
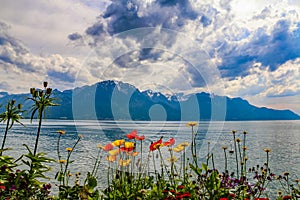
{"points": [[267, 34], [263, 83], [122, 16], [17, 61], [183, 45], [44, 26], [74, 36]]}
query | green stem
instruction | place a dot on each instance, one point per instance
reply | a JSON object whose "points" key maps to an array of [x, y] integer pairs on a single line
{"points": [[207, 156], [96, 163], [244, 153], [172, 168], [5, 134], [163, 165], [236, 157], [141, 155], [108, 170], [225, 160], [154, 166], [59, 157], [194, 151], [39, 130], [239, 146], [184, 174], [68, 159], [212, 160]]}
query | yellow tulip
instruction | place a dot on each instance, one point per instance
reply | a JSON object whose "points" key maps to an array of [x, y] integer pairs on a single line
{"points": [[114, 152], [128, 145], [118, 143], [133, 153], [61, 132], [172, 159], [178, 149], [111, 158], [191, 124], [184, 144], [69, 149], [124, 163]]}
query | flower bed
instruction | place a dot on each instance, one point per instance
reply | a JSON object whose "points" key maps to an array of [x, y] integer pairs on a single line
{"points": [[167, 170]]}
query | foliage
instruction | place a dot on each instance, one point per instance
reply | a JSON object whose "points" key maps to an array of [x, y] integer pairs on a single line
{"points": [[24, 183], [10, 116], [42, 100], [87, 189]]}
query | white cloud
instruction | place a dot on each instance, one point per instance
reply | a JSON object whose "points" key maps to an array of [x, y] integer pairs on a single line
{"points": [[265, 88], [229, 33], [20, 69], [44, 26]]}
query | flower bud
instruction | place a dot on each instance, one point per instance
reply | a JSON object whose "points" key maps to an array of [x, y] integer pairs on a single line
{"points": [[35, 94], [20, 106], [41, 93], [13, 102], [45, 84], [49, 90], [32, 90]]}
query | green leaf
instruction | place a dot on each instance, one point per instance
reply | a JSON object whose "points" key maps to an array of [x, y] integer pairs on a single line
{"points": [[197, 170], [204, 167], [92, 182]]}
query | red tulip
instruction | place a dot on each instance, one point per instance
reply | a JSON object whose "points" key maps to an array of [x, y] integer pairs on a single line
{"points": [[132, 135], [108, 147], [170, 142], [156, 145], [142, 137]]}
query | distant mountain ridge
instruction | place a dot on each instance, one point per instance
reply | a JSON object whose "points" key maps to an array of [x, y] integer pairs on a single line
{"points": [[111, 100]]}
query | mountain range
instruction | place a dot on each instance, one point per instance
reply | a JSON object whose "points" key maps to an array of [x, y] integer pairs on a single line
{"points": [[112, 100]]}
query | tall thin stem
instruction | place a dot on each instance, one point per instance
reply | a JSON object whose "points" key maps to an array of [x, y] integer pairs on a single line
{"points": [[225, 159], [5, 134], [184, 170], [194, 151], [236, 156], [59, 156], [241, 160], [68, 159], [39, 130], [94, 171]]}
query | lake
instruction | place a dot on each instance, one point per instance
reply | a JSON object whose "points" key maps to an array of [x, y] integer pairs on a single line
{"points": [[283, 137]]}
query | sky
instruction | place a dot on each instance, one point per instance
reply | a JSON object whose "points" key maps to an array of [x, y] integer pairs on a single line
{"points": [[236, 48]]}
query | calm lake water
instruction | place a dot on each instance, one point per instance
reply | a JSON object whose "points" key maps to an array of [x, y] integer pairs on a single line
{"points": [[283, 137]]}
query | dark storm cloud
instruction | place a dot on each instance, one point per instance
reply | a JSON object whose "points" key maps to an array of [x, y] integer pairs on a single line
{"points": [[235, 45], [281, 46], [95, 30], [74, 36], [129, 60], [272, 50], [122, 15], [57, 75]]}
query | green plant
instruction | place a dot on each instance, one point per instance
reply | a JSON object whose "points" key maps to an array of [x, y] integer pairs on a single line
{"points": [[77, 191], [24, 183], [42, 100], [10, 116]]}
